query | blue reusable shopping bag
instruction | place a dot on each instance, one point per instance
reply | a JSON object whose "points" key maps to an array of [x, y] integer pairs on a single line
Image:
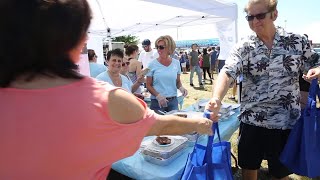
{"points": [[211, 162], [302, 151]]}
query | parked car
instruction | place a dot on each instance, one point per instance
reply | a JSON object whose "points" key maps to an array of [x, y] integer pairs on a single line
{"points": [[317, 50]]}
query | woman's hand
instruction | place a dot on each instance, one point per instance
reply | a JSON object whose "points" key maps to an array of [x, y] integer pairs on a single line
{"points": [[162, 101], [312, 74], [183, 91], [140, 79]]}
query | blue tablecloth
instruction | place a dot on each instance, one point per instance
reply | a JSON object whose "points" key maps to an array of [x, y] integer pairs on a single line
{"points": [[136, 167]]}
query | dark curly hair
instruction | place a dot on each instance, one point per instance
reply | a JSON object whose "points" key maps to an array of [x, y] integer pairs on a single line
{"points": [[37, 36], [91, 54], [115, 52]]}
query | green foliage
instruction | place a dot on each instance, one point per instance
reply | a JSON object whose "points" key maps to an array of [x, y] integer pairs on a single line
{"points": [[127, 39]]}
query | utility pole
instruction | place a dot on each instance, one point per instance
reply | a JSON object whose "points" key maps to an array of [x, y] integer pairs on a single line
{"points": [[285, 25]]}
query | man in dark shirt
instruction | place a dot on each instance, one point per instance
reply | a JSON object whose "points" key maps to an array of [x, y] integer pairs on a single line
{"points": [[213, 60], [194, 65]]}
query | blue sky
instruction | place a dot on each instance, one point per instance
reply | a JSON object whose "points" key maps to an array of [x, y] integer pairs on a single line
{"points": [[301, 16]]}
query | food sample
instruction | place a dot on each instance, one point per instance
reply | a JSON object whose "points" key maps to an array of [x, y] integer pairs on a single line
{"points": [[181, 115], [163, 140]]}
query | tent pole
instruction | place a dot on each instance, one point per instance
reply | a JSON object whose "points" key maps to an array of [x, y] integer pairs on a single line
{"points": [[177, 33], [238, 79]]}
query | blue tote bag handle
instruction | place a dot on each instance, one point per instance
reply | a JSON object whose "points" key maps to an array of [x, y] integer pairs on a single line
{"points": [[207, 157], [311, 108], [208, 154], [209, 148], [313, 92]]}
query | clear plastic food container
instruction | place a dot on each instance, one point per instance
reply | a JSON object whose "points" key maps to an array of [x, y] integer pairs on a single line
{"points": [[164, 154], [192, 138], [161, 161]]}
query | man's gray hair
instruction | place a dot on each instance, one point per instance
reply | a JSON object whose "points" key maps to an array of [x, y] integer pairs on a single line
{"points": [[271, 4]]}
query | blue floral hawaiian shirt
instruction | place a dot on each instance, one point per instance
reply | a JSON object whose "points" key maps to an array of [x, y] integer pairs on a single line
{"points": [[270, 92]]}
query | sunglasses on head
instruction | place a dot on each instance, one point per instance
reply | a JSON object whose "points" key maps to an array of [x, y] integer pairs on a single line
{"points": [[258, 16], [160, 47], [126, 63]]}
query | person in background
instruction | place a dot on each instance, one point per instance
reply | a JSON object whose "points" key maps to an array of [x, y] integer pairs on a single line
{"points": [[219, 62], [163, 79], [213, 60], [113, 76], [234, 91], [200, 60], [148, 54], [125, 72], [304, 90], [187, 61], [268, 64], [194, 65], [183, 62], [95, 68], [175, 55], [56, 123], [206, 65], [135, 66]]}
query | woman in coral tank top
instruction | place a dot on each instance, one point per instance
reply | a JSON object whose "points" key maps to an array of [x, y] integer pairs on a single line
{"points": [[56, 123]]}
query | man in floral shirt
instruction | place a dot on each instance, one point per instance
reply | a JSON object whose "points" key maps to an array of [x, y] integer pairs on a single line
{"points": [[268, 64]]}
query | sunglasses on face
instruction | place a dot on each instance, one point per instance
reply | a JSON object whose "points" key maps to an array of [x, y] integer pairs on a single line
{"points": [[258, 16], [126, 63], [160, 47], [144, 46]]}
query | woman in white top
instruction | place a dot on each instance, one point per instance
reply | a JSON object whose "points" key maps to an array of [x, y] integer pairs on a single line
{"points": [[113, 76]]}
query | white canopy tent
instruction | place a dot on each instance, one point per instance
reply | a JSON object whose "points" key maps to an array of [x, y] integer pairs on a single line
{"points": [[123, 17]]}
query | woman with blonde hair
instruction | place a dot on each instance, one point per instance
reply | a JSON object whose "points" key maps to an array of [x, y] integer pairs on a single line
{"points": [[163, 79]]}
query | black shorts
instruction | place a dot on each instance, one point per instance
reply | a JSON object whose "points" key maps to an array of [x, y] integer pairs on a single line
{"points": [[257, 144]]}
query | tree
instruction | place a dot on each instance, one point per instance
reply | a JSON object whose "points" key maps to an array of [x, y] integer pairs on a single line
{"points": [[127, 39]]}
